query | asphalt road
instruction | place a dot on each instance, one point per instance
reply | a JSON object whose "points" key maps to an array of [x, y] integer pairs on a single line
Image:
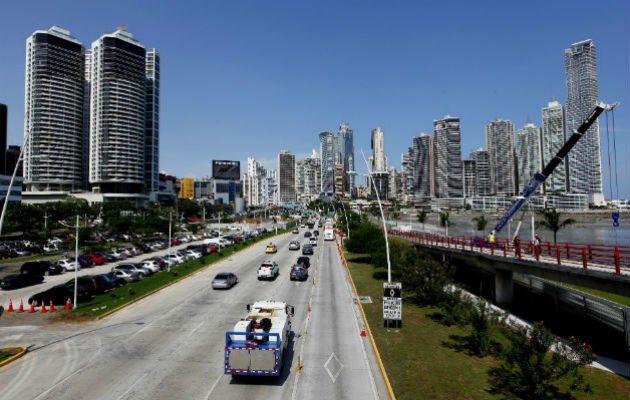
{"points": [[171, 344]]}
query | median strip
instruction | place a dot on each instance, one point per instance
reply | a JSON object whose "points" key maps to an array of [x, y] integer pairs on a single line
{"points": [[9, 354]]}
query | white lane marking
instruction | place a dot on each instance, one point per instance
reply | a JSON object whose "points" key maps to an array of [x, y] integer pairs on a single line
{"points": [[213, 387], [133, 385], [333, 357], [63, 380]]}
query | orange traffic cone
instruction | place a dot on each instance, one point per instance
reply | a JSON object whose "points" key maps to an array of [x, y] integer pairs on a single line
{"points": [[43, 307], [363, 334], [32, 308], [10, 308], [21, 309], [68, 306], [52, 307]]}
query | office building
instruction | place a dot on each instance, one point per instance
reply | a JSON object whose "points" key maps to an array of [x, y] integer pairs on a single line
{"points": [[345, 152], [378, 159], [3, 139], [501, 157], [12, 157], [152, 121], [380, 181], [327, 151], [54, 112], [423, 159], [118, 77], [529, 154], [585, 172], [286, 174], [553, 138], [448, 157], [482, 172]]}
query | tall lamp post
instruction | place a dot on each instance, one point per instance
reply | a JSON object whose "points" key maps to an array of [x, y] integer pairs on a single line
{"points": [[76, 257]]}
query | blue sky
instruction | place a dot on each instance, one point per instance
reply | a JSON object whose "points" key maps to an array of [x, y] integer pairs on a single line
{"points": [[250, 78]]}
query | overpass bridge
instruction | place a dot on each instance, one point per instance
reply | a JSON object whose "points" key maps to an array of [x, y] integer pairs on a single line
{"points": [[596, 266]]}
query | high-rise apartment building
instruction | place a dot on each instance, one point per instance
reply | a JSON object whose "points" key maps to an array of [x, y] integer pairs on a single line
{"points": [[327, 151], [470, 178], [378, 159], [286, 174], [529, 154], [345, 151], [423, 159], [585, 172], [448, 157], [312, 174], [118, 126], [500, 145], [3, 139], [482, 172], [407, 168], [152, 121], [553, 138], [54, 112]]}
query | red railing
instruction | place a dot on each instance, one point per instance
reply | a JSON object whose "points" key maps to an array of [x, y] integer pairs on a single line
{"points": [[616, 258]]}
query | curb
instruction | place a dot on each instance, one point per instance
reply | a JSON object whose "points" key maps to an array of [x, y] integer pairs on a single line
{"points": [[205, 267], [14, 357], [392, 395]]}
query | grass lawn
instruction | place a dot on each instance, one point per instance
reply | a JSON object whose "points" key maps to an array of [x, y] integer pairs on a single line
{"points": [[8, 352], [104, 303], [617, 298], [421, 360]]}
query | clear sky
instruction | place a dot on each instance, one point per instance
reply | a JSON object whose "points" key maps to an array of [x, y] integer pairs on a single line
{"points": [[251, 78]]}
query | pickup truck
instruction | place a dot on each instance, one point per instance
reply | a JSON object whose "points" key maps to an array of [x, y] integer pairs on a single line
{"points": [[258, 343], [268, 270]]}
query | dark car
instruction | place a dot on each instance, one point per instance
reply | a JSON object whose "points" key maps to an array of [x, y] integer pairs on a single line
{"points": [[89, 283], [304, 261], [112, 280], [60, 294], [307, 234], [298, 272], [20, 280], [316, 232], [85, 262], [40, 268], [307, 249]]}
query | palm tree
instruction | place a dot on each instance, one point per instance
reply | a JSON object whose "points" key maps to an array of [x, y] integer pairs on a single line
{"points": [[445, 219], [551, 221], [422, 217], [482, 222]]}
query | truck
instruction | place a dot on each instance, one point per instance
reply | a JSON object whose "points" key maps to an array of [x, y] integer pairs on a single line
{"points": [[257, 345]]}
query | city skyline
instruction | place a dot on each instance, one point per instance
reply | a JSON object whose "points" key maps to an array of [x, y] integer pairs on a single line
{"points": [[520, 89]]}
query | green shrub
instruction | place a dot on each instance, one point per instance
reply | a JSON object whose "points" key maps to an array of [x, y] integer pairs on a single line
{"points": [[425, 278], [456, 310]]}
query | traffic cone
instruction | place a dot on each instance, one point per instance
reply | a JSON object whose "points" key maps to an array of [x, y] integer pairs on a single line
{"points": [[43, 306], [68, 306], [52, 307], [10, 308], [363, 334], [32, 308], [21, 309]]}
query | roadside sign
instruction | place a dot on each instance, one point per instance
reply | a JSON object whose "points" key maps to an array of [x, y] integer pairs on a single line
{"points": [[392, 301]]}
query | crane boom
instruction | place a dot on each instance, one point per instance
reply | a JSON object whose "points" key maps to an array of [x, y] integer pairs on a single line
{"points": [[539, 177]]}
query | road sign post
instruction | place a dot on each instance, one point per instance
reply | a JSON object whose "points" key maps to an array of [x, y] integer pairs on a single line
{"points": [[392, 305]]}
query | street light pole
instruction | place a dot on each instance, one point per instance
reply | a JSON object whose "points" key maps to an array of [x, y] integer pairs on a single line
{"points": [[170, 233], [76, 263]]}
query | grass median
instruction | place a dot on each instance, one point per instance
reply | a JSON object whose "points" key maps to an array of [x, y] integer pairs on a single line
{"points": [[422, 361], [104, 303], [7, 352]]}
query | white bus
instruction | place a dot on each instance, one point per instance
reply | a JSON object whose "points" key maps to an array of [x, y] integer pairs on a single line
{"points": [[328, 231]]}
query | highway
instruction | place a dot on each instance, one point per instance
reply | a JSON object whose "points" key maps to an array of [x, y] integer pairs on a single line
{"points": [[171, 344]]}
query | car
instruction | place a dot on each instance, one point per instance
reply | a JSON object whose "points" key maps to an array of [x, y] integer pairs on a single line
{"points": [[97, 258], [294, 245], [90, 283], [60, 294], [132, 268], [316, 232], [195, 255], [85, 262], [42, 267], [20, 280], [296, 231], [307, 249], [150, 265], [307, 234], [126, 275], [268, 270], [271, 248], [298, 272], [224, 280], [67, 264], [49, 248], [175, 258], [111, 279], [304, 261]]}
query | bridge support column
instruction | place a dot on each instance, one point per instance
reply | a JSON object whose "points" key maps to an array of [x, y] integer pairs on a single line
{"points": [[503, 286]]}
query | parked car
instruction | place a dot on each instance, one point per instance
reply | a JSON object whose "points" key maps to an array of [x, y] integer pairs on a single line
{"points": [[97, 258], [127, 275], [90, 284], [294, 245], [85, 262], [224, 280], [304, 261], [42, 267], [194, 255], [271, 248], [67, 264], [150, 265], [268, 270], [20, 280], [175, 257], [298, 272], [307, 249], [60, 294], [139, 272], [112, 280]]}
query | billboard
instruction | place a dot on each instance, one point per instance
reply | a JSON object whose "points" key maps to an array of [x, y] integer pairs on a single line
{"points": [[225, 169]]}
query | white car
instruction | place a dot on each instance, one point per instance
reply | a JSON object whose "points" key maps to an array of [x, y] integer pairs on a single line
{"points": [[268, 270], [193, 254], [67, 264], [174, 257], [150, 265], [48, 248]]}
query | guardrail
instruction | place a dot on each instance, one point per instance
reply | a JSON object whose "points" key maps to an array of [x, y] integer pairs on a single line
{"points": [[613, 258]]}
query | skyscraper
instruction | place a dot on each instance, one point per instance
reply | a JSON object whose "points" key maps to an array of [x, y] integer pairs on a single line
{"points": [[423, 159], [470, 181], [286, 175], [529, 154], [152, 122], [327, 150], [54, 112], [585, 172], [482, 172], [379, 161], [3, 140], [552, 140], [500, 145], [345, 151], [118, 126], [448, 157]]}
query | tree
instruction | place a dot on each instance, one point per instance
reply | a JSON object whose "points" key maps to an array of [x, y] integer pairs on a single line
{"points": [[483, 323], [365, 238], [445, 219], [398, 249], [482, 222], [425, 277], [422, 217], [529, 370], [551, 221]]}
